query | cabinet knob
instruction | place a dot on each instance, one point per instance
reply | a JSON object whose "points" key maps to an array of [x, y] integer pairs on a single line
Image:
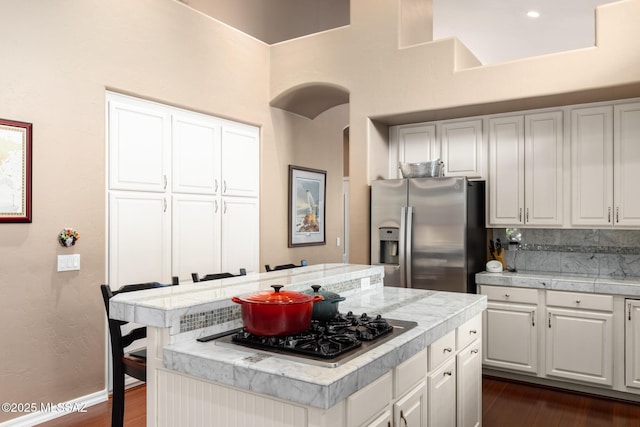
{"points": [[507, 295], [473, 332], [447, 350], [577, 301], [474, 351], [448, 373]]}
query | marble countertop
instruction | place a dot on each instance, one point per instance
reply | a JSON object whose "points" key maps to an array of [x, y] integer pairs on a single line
{"points": [[627, 286], [164, 307], [436, 313]]}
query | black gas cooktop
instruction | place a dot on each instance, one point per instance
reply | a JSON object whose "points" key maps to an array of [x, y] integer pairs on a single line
{"points": [[325, 343]]}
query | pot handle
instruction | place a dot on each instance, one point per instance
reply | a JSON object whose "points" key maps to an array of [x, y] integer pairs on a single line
{"points": [[317, 298], [236, 300], [338, 299]]}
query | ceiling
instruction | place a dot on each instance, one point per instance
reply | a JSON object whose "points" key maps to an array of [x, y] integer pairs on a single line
{"points": [[494, 30]]}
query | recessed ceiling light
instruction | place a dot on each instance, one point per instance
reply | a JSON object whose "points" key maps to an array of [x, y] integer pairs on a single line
{"points": [[533, 14]]}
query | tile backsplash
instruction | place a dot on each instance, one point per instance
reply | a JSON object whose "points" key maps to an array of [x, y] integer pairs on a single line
{"points": [[612, 253]]}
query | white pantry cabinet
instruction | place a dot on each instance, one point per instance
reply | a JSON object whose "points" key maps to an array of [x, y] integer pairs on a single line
{"points": [[632, 343], [525, 170], [196, 163], [510, 329]]}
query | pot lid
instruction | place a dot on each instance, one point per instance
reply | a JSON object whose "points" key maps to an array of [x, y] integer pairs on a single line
{"points": [[327, 295], [277, 296]]}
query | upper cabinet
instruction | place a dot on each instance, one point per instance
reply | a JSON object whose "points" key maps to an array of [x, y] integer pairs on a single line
{"points": [[525, 170], [604, 165], [459, 144], [462, 149], [240, 161], [139, 146]]}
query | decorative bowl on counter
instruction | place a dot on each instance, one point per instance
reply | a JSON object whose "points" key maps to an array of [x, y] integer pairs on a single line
{"points": [[431, 169]]}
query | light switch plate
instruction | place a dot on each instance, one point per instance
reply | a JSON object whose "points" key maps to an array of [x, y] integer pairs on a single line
{"points": [[69, 262]]}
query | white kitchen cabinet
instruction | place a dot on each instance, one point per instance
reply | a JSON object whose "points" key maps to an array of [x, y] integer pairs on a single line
{"points": [[240, 160], [411, 143], [441, 395], [139, 135], [592, 166], [626, 161], [510, 329], [370, 401], [632, 343], [579, 337], [196, 154], [469, 386], [462, 149], [384, 420], [197, 162], [195, 235], [411, 409], [240, 234], [139, 238], [525, 170]]}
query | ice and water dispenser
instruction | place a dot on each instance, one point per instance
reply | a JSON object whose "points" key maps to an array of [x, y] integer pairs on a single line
{"points": [[389, 245]]}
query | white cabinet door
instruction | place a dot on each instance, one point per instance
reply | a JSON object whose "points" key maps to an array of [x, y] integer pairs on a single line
{"points": [[543, 169], [384, 420], [139, 138], [196, 154], [139, 238], [626, 143], [441, 395], [240, 234], [417, 143], [592, 166], [580, 345], [410, 409], [469, 387], [632, 343], [240, 161], [510, 337], [506, 171], [195, 235], [462, 149]]}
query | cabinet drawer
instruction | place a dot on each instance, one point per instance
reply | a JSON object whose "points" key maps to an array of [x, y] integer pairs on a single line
{"points": [[441, 349], [580, 300], [369, 401], [468, 331], [409, 373], [509, 294]]}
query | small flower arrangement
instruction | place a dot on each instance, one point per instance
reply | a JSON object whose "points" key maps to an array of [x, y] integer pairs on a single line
{"points": [[68, 237]]}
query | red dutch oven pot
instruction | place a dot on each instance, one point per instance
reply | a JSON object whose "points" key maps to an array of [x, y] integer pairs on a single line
{"points": [[276, 313]]}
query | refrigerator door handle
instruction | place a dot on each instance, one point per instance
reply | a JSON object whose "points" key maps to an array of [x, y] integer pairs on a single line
{"points": [[409, 244], [401, 255]]}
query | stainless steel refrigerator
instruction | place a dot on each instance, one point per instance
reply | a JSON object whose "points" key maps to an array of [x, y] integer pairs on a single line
{"points": [[429, 233]]}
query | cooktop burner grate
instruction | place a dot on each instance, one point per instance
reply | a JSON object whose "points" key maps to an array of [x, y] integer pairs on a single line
{"points": [[328, 343]]}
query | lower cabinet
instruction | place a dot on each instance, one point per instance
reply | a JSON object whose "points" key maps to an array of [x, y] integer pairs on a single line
{"points": [[410, 410], [510, 330], [441, 393], [632, 343], [469, 386]]}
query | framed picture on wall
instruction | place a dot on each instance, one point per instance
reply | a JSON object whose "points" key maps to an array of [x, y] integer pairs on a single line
{"points": [[15, 171], [307, 190]]}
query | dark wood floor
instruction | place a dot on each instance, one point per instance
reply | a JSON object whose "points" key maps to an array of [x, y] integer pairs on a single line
{"points": [[504, 404]]}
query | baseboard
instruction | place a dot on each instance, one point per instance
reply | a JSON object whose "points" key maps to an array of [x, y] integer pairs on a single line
{"points": [[54, 411]]}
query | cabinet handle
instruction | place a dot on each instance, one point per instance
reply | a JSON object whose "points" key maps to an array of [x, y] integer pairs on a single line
{"points": [[388, 423], [577, 301], [474, 351], [216, 208], [506, 295], [403, 418], [617, 214], [549, 319], [629, 310], [448, 373], [520, 215], [165, 205], [215, 181], [527, 218], [165, 181], [473, 332], [224, 207], [224, 186], [609, 214], [533, 318], [447, 350]]}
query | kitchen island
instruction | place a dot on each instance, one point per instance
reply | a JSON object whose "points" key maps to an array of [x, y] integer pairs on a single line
{"points": [[204, 383]]}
